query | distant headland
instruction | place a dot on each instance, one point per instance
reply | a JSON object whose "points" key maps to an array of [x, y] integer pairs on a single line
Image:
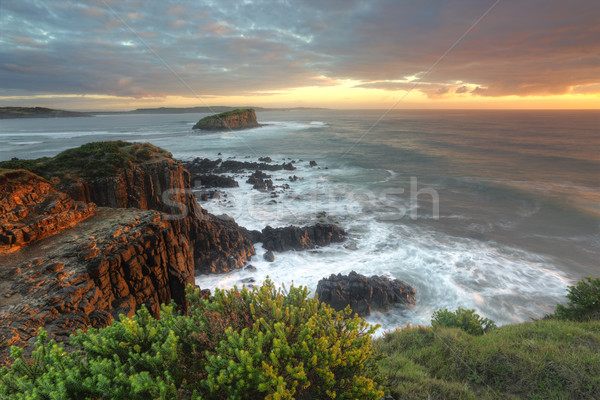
{"points": [[42, 112], [38, 112]]}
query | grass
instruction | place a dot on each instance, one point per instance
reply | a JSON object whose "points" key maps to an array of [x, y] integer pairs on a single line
{"points": [[92, 160], [535, 360]]}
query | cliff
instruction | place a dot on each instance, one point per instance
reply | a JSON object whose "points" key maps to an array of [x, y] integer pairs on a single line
{"points": [[108, 264], [125, 175], [74, 264], [230, 120]]}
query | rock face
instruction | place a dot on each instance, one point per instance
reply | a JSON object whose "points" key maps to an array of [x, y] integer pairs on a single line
{"points": [[362, 293], [230, 120], [300, 238], [219, 245], [31, 209], [108, 264], [144, 249]]}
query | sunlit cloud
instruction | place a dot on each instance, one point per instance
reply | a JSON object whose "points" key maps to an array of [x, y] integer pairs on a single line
{"points": [[341, 53]]}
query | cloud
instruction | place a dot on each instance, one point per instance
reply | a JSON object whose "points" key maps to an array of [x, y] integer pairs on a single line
{"points": [[226, 47]]}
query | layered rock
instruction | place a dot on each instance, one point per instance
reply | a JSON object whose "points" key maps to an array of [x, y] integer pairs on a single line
{"points": [[300, 238], [230, 120], [108, 264], [31, 209], [164, 185], [364, 294]]}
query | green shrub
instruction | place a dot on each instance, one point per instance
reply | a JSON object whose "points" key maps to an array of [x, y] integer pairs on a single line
{"points": [[242, 344], [467, 320], [294, 348], [584, 301]]}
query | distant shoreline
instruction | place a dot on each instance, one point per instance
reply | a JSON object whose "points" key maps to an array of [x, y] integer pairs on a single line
{"points": [[38, 112], [42, 112]]}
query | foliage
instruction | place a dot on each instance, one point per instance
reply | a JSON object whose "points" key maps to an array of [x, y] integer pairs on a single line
{"points": [[295, 347], [535, 360], [250, 344], [584, 301], [92, 160], [467, 320]]}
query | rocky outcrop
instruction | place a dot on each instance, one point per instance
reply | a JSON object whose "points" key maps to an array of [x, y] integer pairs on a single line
{"points": [[363, 294], [213, 181], [107, 265], [31, 209], [260, 181], [230, 120], [164, 185], [300, 238], [218, 166]]}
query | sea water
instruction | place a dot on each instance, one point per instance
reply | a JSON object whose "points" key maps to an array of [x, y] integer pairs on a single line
{"points": [[493, 210]]}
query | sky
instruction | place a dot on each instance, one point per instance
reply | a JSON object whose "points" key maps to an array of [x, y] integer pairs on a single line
{"points": [[343, 54]]}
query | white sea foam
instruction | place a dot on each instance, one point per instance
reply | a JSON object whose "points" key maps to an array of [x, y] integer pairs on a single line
{"points": [[502, 283]]}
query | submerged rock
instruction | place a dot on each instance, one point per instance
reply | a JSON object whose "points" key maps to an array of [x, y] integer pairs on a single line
{"points": [[364, 294]]}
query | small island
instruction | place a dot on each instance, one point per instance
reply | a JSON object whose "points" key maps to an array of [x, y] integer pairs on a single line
{"points": [[230, 120], [37, 112]]}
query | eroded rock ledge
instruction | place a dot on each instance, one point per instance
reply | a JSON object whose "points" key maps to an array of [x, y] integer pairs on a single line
{"points": [[108, 264], [31, 209]]}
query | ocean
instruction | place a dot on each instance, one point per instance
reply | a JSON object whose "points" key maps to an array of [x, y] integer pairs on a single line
{"points": [[493, 210]]}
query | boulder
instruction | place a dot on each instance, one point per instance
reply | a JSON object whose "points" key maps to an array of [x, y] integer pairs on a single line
{"points": [[301, 238], [269, 256], [364, 294]]}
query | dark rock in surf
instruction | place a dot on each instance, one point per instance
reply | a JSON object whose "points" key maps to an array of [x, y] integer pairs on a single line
{"points": [[212, 181], [364, 294], [301, 238], [269, 256]]}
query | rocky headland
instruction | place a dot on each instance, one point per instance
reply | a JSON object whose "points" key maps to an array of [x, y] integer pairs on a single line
{"points": [[230, 120], [99, 230]]}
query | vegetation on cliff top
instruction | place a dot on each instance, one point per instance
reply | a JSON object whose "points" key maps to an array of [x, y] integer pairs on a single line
{"points": [[37, 112], [464, 357], [92, 160], [265, 343], [242, 344]]}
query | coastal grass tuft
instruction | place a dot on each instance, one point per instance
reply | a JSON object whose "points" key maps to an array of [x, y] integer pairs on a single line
{"points": [[92, 160], [535, 360]]}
